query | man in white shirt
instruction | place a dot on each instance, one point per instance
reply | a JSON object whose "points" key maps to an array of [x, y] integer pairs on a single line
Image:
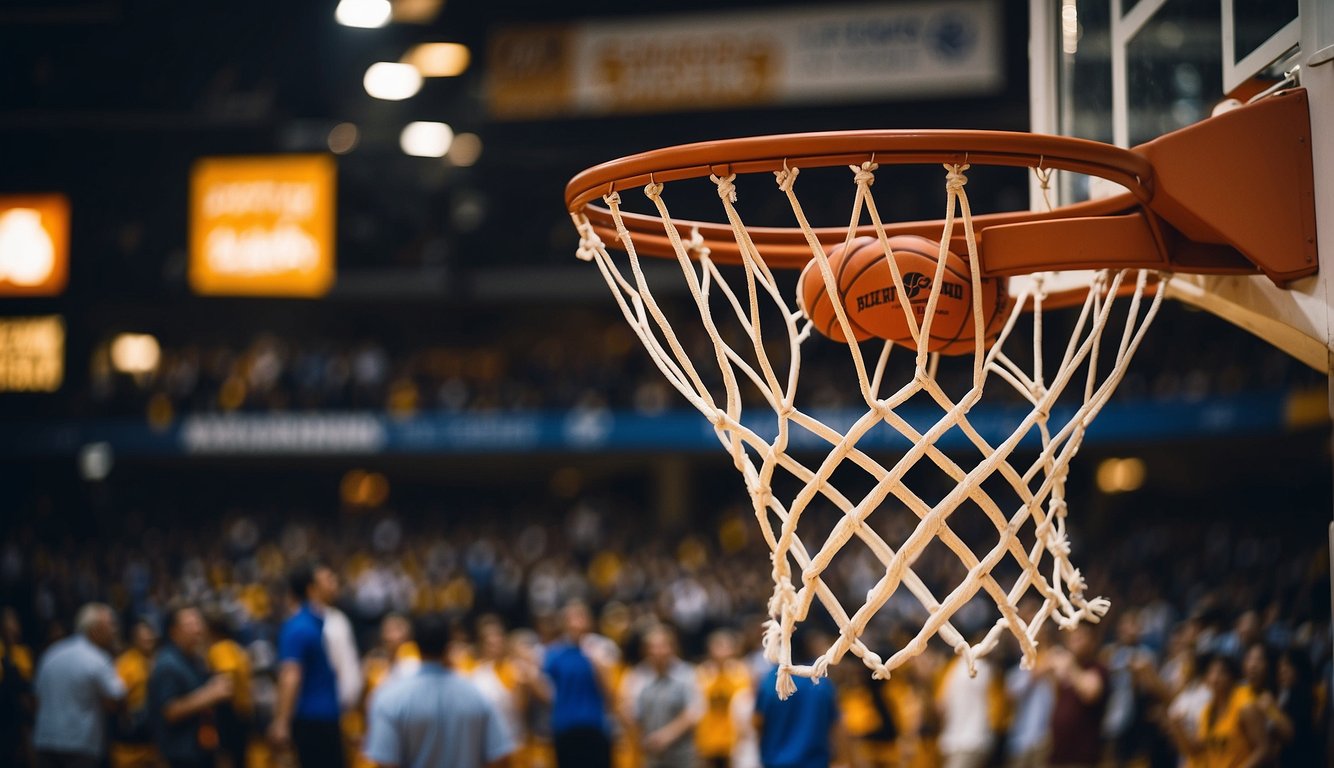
{"points": [[76, 685]]}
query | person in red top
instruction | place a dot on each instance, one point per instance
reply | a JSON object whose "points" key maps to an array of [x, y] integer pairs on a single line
{"points": [[1081, 698]]}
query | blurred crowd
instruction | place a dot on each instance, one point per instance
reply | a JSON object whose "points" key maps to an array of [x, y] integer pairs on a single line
{"points": [[528, 368], [1231, 618]]}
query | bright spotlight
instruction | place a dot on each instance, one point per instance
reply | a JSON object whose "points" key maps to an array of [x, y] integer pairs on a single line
{"points": [[438, 59], [392, 81], [424, 139], [365, 14], [135, 353]]}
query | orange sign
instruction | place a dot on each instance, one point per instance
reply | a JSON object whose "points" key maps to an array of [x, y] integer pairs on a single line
{"points": [[34, 245], [262, 226], [32, 353]]}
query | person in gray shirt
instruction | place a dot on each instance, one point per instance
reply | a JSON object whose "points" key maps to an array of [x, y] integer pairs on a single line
{"points": [[664, 703], [434, 717], [76, 685]]}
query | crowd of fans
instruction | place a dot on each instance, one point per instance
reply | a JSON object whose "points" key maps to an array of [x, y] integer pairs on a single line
{"points": [[528, 367], [1234, 616]]}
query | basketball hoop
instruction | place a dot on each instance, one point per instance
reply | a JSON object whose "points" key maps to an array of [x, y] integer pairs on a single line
{"points": [[1125, 249]]}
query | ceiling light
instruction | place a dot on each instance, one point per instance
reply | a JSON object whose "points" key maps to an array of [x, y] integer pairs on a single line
{"points": [[135, 353], [392, 81], [438, 59], [365, 14], [426, 139]]}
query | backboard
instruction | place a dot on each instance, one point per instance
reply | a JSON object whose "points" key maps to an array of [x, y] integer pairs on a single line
{"points": [[1128, 71]]}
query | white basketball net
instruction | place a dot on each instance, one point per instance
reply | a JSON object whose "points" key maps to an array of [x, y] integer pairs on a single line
{"points": [[1038, 488]]}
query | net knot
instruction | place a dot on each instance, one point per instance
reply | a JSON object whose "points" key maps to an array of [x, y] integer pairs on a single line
{"points": [[612, 199], [653, 190], [726, 187], [955, 178], [696, 243], [589, 245], [786, 178], [820, 668], [865, 173], [785, 685], [773, 638], [1097, 608]]}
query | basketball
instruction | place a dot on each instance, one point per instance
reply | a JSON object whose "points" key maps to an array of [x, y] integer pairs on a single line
{"points": [[870, 299], [814, 299]]}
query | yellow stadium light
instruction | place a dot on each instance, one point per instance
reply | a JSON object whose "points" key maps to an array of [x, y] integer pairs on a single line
{"points": [[365, 14], [438, 59], [1120, 475], [392, 81], [425, 139], [416, 11], [135, 353]]}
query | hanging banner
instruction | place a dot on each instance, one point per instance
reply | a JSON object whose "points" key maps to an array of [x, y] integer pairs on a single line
{"points": [[262, 226], [34, 245], [749, 58]]}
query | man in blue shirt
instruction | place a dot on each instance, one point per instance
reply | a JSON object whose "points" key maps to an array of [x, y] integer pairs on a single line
{"points": [[572, 681], [802, 731], [434, 718], [306, 712], [76, 685]]}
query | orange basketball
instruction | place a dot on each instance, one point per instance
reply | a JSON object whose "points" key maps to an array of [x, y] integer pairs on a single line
{"points": [[870, 298], [814, 299]]}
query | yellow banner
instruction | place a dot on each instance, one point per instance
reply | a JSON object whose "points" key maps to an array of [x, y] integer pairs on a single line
{"points": [[32, 353], [262, 226], [34, 245]]}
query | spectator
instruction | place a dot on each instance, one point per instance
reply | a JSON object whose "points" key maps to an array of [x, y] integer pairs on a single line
{"points": [[132, 744], [1232, 731], [803, 731], [1296, 700], [496, 678], [306, 713], [664, 705], [76, 685], [181, 695], [965, 701], [1081, 699], [15, 689], [435, 718], [1031, 700], [1124, 725], [396, 654], [722, 676], [573, 681], [341, 646], [227, 657]]}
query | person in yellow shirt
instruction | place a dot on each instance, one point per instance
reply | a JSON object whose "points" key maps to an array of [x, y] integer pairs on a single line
{"points": [[132, 745], [721, 677], [16, 701], [498, 678], [233, 717], [396, 655], [1231, 733]]}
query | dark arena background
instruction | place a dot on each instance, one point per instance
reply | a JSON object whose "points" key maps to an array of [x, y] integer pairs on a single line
{"points": [[401, 370]]}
